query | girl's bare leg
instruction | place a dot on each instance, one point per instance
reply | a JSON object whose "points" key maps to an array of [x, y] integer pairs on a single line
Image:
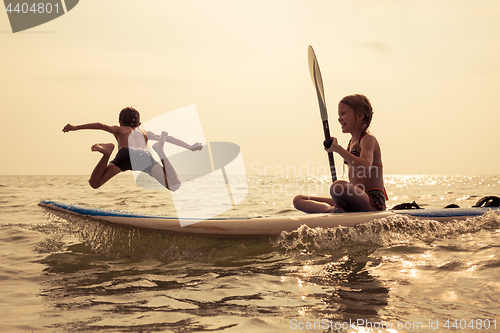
{"points": [[103, 171], [350, 197], [344, 197], [310, 204]]}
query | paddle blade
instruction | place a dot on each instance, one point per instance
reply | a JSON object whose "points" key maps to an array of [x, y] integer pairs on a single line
{"points": [[311, 57], [318, 82]]}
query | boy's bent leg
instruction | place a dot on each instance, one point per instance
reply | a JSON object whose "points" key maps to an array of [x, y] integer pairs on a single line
{"points": [[158, 172], [110, 171], [103, 171], [170, 178]]}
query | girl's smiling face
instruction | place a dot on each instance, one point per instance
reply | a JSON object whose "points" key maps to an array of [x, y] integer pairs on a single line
{"points": [[349, 121]]}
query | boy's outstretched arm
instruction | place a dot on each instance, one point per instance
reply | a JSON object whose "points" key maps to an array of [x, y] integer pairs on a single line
{"points": [[180, 143], [96, 126], [152, 136], [175, 141]]}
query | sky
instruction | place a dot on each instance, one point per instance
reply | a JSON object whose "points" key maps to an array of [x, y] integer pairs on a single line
{"points": [[429, 67]]}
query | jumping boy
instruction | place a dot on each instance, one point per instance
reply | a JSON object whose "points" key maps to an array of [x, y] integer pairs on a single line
{"points": [[132, 151]]}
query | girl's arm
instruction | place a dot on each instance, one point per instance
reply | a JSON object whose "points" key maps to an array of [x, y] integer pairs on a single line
{"points": [[97, 126], [365, 160]]}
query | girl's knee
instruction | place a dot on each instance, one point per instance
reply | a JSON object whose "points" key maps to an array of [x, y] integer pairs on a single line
{"points": [[340, 183], [299, 200], [338, 188]]}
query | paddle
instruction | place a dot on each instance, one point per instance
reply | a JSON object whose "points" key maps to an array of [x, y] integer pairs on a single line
{"points": [[318, 83]]}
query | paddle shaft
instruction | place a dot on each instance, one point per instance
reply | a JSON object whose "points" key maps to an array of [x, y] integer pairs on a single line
{"points": [[328, 143], [326, 127]]}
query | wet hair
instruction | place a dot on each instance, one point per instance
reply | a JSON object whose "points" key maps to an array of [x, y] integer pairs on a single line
{"points": [[130, 117], [361, 107]]}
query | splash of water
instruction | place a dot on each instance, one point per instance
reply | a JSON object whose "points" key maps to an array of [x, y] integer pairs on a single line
{"points": [[390, 231]]}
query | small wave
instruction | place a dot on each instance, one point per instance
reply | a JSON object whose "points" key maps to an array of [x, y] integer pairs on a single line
{"points": [[107, 240], [287, 211], [390, 231]]}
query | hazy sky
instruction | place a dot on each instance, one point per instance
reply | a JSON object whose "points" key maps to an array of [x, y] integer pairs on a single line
{"points": [[430, 68]]}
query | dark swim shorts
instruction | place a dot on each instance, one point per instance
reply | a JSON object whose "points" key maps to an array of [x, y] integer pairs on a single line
{"points": [[137, 159], [377, 198]]}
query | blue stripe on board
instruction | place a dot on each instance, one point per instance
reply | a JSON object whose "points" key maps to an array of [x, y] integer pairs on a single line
{"points": [[87, 211], [446, 212], [436, 212]]}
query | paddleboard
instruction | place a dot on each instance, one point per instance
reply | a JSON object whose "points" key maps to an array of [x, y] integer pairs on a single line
{"points": [[253, 226]]}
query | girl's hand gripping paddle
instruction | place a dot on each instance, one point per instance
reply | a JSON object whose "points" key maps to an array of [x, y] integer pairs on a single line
{"points": [[318, 83]]}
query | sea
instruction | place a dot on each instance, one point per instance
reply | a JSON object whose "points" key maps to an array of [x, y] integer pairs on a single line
{"points": [[63, 274]]}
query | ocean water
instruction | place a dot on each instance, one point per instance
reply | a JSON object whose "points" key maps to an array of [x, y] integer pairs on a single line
{"points": [[391, 275]]}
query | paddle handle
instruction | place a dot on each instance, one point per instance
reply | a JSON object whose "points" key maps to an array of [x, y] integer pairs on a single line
{"points": [[327, 143]]}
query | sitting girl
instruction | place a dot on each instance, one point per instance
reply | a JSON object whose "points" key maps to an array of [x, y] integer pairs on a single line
{"points": [[365, 189]]}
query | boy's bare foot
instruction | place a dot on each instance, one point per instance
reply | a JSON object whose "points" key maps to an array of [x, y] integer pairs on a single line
{"points": [[104, 148], [158, 146]]}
